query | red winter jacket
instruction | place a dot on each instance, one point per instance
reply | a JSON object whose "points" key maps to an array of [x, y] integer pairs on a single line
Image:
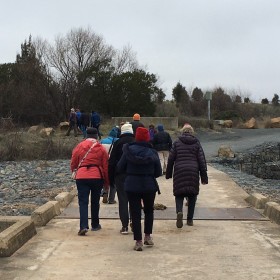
{"points": [[97, 156]]}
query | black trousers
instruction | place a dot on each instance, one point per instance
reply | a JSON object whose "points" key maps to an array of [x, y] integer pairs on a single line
{"points": [[136, 211], [179, 200], [123, 201]]}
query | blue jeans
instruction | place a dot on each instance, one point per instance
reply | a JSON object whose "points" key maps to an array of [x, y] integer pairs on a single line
{"points": [[179, 200], [84, 130], [85, 188]]}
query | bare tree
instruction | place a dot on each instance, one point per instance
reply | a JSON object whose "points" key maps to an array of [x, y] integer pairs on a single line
{"points": [[125, 60], [76, 58]]}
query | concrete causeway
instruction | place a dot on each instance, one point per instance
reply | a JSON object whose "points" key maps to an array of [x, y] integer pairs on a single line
{"points": [[212, 249]]}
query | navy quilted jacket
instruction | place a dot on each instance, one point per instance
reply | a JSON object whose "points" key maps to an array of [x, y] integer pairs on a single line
{"points": [[188, 159], [141, 164]]}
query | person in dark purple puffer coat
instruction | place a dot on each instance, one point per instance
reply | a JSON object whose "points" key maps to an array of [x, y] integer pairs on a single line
{"points": [[188, 159]]}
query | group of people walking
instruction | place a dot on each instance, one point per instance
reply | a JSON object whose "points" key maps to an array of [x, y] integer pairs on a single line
{"points": [[130, 164], [79, 121]]}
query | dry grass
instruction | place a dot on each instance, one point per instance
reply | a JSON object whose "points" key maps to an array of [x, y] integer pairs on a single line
{"points": [[21, 145]]}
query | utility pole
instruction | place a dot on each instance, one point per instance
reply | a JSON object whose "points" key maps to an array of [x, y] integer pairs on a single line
{"points": [[208, 97]]}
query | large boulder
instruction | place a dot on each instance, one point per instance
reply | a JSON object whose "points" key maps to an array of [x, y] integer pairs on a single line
{"points": [[227, 123], [251, 123], [46, 132], [225, 152], [33, 129], [63, 126], [275, 123]]}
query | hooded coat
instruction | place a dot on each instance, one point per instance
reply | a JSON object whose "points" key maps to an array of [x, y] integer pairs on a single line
{"points": [[162, 140], [188, 159], [95, 165], [141, 164]]}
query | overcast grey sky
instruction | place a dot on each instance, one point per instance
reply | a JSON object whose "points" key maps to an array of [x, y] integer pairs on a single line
{"points": [[234, 44]]}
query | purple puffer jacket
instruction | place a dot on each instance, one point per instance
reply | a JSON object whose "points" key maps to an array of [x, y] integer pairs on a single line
{"points": [[188, 159]]}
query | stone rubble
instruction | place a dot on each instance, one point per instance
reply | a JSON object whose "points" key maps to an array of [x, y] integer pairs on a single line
{"points": [[268, 187], [26, 185]]}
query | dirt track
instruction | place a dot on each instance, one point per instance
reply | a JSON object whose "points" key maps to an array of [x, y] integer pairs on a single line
{"points": [[239, 140]]}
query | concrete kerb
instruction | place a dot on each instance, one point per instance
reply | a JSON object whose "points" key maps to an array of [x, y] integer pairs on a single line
{"points": [[257, 200], [271, 209], [43, 214], [15, 232]]}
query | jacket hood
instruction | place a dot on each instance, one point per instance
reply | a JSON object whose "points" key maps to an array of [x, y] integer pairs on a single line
{"points": [[114, 132], [160, 127], [187, 138], [139, 153]]}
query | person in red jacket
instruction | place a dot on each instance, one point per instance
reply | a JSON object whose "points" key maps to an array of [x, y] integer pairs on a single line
{"points": [[90, 159]]}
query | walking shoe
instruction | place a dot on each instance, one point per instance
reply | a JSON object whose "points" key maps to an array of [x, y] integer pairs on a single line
{"points": [[82, 232], [138, 246], [190, 222], [124, 230], [148, 241], [179, 222], [112, 202], [105, 198], [96, 228]]}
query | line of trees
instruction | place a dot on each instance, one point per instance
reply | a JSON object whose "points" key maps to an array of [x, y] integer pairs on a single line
{"points": [[79, 70], [223, 105]]}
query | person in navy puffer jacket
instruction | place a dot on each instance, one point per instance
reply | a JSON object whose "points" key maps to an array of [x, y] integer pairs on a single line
{"points": [[188, 159], [142, 166]]}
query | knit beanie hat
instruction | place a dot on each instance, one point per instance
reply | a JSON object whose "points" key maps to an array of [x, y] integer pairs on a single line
{"points": [[187, 128], [136, 117], [142, 134], [160, 127], [92, 132], [126, 128]]}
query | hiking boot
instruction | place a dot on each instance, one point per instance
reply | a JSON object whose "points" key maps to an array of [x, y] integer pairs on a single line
{"points": [[96, 228], [190, 222], [105, 198], [148, 241], [124, 230], [83, 231], [138, 246], [179, 222]]}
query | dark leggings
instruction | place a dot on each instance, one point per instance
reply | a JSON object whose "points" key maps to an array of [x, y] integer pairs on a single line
{"points": [[136, 211]]}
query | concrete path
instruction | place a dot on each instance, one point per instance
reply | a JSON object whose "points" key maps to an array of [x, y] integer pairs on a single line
{"points": [[211, 249]]}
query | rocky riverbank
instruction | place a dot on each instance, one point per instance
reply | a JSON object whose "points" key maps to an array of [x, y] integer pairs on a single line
{"points": [[25, 185]]}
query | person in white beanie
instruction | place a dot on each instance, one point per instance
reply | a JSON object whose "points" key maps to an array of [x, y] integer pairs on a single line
{"points": [[119, 178]]}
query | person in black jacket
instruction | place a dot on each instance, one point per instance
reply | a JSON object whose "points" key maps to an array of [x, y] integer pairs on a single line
{"points": [[188, 159], [136, 122], [162, 142], [118, 178], [84, 121], [141, 164]]}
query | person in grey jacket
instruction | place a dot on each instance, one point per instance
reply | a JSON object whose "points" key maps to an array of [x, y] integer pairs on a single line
{"points": [[141, 164], [188, 159]]}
